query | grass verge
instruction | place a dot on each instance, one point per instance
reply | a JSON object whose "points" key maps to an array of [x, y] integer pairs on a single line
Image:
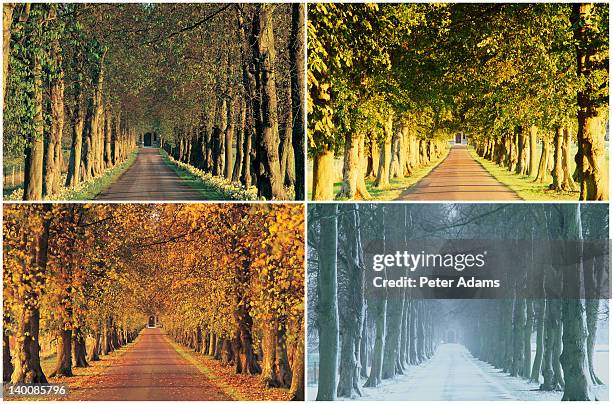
{"points": [[212, 187], [523, 185], [238, 387], [94, 188], [207, 191]]}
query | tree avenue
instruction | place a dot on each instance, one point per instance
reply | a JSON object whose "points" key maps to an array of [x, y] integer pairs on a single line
{"points": [[361, 333], [219, 85], [392, 84], [224, 280]]}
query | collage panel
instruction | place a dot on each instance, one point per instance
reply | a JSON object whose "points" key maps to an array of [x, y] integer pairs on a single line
{"points": [[153, 101], [458, 302], [458, 102], [164, 302]]}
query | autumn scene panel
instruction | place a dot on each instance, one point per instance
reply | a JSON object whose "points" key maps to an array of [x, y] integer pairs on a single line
{"points": [[154, 302]]}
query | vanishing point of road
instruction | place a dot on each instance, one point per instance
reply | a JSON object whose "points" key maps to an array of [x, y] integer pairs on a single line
{"points": [[149, 179], [151, 369], [459, 178]]}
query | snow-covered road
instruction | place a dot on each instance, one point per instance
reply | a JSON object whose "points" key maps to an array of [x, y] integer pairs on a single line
{"points": [[452, 374]]}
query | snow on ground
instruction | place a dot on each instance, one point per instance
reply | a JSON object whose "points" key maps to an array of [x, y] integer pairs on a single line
{"points": [[454, 374]]}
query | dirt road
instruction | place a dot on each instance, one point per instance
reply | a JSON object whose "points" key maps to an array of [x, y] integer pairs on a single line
{"points": [[151, 370], [459, 177], [149, 179]]}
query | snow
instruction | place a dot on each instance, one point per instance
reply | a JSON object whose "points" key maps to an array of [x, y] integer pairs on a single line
{"points": [[454, 374]]}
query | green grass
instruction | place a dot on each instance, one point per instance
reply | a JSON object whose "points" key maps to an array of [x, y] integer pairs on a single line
{"points": [[523, 185], [396, 186], [100, 184], [207, 191]]}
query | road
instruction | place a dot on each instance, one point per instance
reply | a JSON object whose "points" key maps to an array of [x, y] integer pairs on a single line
{"points": [[459, 177], [451, 374], [150, 370], [149, 179]]}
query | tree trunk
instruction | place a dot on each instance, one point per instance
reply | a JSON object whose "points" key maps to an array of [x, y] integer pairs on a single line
{"points": [[296, 391], [108, 130], [281, 360], [35, 149], [7, 365], [521, 165], [352, 314], [268, 345], [526, 372], [557, 175], [544, 159], [78, 121], [246, 361], [364, 349], [395, 298], [353, 183], [27, 349], [269, 177], [384, 168], [7, 21], [64, 354], [574, 356], [298, 96], [518, 326], [327, 309], [592, 104], [79, 350], [94, 354], [229, 132], [379, 311], [568, 182], [413, 334], [323, 180], [537, 362], [53, 160], [533, 139], [592, 309], [240, 140]]}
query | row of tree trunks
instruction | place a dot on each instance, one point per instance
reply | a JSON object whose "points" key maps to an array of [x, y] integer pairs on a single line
{"points": [[517, 152], [99, 138], [398, 155], [384, 332], [565, 328], [245, 115], [277, 363], [278, 360], [591, 169]]}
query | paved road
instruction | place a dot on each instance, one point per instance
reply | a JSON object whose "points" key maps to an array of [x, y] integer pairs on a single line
{"points": [[451, 374], [459, 177], [151, 370], [149, 179]]}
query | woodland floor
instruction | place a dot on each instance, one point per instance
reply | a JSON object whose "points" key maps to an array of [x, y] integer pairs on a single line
{"points": [[150, 179], [453, 374], [459, 177]]}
